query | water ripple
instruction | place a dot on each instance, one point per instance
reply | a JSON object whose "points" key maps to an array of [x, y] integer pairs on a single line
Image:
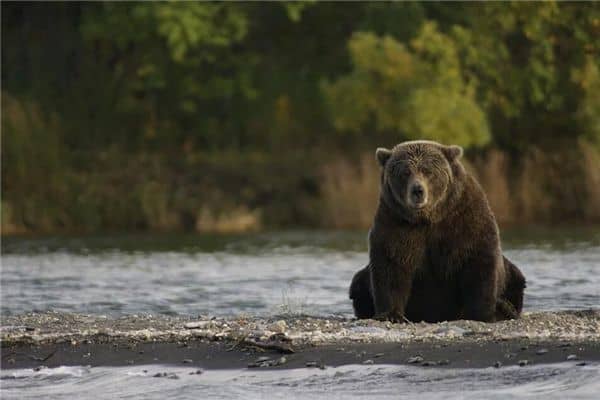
{"points": [[270, 273]]}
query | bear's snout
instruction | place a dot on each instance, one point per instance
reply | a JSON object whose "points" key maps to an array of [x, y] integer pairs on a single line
{"points": [[417, 194]]}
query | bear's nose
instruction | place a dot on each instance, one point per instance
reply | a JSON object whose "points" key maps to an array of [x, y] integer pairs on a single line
{"points": [[418, 192]]}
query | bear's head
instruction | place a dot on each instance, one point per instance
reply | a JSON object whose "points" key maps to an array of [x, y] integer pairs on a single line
{"points": [[420, 178]]}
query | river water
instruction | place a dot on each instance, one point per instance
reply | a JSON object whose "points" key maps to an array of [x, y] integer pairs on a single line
{"points": [[267, 274]]}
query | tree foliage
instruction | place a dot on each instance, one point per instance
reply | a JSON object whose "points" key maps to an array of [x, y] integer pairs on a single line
{"points": [[209, 76], [418, 92], [89, 84]]}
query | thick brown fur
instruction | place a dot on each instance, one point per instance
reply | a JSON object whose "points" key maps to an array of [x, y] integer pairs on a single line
{"points": [[438, 257]]}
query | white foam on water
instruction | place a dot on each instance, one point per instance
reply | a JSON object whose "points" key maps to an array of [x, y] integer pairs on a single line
{"points": [[45, 372], [552, 381]]}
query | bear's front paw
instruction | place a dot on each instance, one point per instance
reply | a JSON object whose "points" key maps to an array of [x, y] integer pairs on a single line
{"points": [[391, 316]]}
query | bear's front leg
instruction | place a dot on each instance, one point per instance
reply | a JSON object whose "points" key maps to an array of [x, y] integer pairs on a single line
{"points": [[391, 289], [479, 286]]}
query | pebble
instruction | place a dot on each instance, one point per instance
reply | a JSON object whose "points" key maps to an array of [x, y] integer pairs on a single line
{"points": [[187, 361], [541, 352], [279, 337], [315, 364], [415, 360], [196, 324], [368, 362], [572, 357], [429, 363], [379, 355], [497, 364], [262, 362], [581, 364], [278, 327], [196, 372], [523, 363], [443, 362]]}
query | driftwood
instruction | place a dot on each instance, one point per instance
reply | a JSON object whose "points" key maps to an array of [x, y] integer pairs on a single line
{"points": [[281, 348]]}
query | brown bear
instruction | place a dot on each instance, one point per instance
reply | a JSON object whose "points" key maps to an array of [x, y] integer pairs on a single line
{"points": [[434, 247]]}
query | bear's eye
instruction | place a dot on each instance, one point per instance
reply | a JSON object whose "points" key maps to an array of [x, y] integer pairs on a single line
{"points": [[425, 170], [405, 173]]}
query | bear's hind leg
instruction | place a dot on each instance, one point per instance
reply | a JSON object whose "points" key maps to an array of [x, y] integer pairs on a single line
{"points": [[360, 293], [510, 304]]}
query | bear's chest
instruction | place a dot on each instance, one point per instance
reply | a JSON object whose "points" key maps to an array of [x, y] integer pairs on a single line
{"points": [[428, 251], [443, 253]]}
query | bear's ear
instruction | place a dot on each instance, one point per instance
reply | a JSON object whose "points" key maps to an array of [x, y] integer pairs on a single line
{"points": [[452, 152], [382, 155]]}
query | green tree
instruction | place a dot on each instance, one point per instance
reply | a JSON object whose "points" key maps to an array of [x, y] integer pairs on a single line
{"points": [[522, 58], [175, 65], [415, 92]]}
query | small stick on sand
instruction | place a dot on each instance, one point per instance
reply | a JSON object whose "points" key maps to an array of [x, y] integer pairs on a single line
{"points": [[42, 359], [237, 343], [268, 346]]}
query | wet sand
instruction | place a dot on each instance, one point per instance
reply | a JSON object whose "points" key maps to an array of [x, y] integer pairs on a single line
{"points": [[54, 339], [205, 355]]}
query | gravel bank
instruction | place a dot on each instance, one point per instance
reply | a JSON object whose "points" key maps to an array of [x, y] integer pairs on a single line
{"points": [[54, 327], [53, 339]]}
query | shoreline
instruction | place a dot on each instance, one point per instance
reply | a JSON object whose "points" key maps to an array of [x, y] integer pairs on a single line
{"points": [[208, 356], [53, 339]]}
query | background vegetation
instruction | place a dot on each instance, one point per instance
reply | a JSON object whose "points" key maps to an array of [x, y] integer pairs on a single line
{"points": [[237, 116]]}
